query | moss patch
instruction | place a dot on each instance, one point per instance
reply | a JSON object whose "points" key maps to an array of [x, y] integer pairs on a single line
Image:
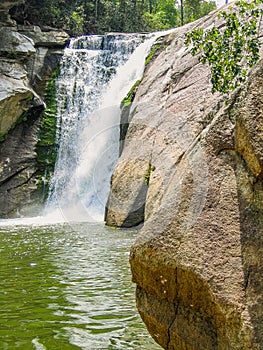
{"points": [[125, 111], [130, 95], [47, 145], [152, 53], [159, 45]]}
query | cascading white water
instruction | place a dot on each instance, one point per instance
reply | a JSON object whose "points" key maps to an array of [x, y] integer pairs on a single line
{"points": [[96, 73]]}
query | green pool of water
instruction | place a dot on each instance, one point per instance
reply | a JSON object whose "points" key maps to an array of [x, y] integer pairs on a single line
{"points": [[68, 287]]}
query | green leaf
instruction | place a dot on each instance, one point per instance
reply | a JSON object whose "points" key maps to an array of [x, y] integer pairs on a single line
{"points": [[230, 50]]}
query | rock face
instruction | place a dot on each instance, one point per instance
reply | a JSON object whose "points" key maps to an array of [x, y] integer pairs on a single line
{"points": [[198, 260], [28, 57]]}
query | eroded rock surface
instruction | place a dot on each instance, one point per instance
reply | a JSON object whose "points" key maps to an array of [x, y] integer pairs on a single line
{"points": [[198, 260], [28, 58]]}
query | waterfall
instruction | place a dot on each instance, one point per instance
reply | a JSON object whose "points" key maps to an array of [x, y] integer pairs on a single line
{"points": [[96, 73]]}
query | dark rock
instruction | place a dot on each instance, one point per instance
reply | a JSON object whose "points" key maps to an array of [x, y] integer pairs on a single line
{"points": [[18, 187]]}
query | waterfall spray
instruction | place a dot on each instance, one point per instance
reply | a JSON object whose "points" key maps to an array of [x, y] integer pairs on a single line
{"points": [[96, 74]]}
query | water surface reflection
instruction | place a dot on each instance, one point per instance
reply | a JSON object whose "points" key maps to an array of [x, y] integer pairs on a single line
{"points": [[65, 287]]}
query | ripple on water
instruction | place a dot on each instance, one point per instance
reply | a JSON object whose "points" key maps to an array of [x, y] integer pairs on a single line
{"points": [[65, 288]]}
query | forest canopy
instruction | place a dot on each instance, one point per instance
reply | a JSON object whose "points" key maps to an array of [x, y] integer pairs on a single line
{"points": [[100, 16]]}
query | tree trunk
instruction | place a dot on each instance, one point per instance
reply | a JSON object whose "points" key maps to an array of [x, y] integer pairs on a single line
{"points": [[182, 12]]}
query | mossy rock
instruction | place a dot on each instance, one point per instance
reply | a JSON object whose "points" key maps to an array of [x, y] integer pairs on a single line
{"points": [[127, 100], [160, 44], [47, 145], [152, 53], [125, 112]]}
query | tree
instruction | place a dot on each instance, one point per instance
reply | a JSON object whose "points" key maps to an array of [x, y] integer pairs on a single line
{"points": [[164, 15], [191, 10], [230, 50], [182, 13], [100, 16]]}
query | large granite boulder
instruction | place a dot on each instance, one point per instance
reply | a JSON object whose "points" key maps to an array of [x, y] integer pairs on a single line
{"points": [[198, 260]]}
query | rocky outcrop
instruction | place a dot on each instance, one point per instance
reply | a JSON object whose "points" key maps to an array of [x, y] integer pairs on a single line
{"points": [[28, 58], [16, 94], [198, 260]]}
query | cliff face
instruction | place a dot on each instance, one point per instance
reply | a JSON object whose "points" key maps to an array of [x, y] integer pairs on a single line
{"points": [[28, 58], [191, 167]]}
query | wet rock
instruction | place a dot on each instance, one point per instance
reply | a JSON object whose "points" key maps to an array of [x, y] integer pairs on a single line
{"points": [[18, 188]]}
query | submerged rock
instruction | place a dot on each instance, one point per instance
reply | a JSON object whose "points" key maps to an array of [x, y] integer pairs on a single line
{"points": [[198, 260]]}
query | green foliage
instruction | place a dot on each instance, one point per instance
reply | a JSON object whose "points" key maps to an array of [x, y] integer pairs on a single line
{"points": [[164, 15], [11, 54], [64, 14], [100, 16], [232, 49], [194, 9], [191, 10], [130, 96]]}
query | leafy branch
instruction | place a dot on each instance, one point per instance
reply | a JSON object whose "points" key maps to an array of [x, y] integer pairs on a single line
{"points": [[232, 49]]}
